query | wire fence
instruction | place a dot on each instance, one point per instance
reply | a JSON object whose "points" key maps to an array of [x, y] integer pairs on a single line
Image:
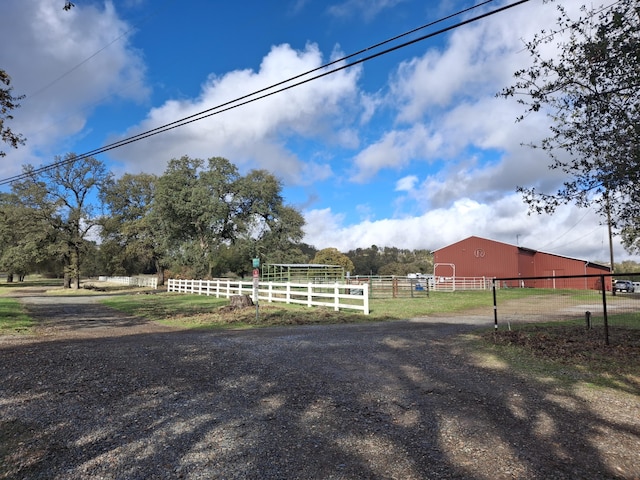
{"points": [[609, 304], [394, 286]]}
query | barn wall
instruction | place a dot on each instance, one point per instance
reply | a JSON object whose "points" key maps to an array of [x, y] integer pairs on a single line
{"points": [[479, 257], [554, 266]]}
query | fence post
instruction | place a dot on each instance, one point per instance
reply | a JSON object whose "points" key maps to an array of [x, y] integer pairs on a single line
{"points": [[365, 298], [495, 306], [604, 312], [309, 294], [336, 297]]}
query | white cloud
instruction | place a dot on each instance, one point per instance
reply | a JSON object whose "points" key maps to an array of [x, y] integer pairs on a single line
{"points": [[396, 149], [447, 116], [66, 63], [572, 232], [368, 9], [406, 184], [256, 134]]}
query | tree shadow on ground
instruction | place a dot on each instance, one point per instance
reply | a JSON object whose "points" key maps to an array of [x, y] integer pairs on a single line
{"points": [[396, 400]]}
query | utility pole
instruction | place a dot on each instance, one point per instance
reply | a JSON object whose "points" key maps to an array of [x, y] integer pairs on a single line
{"points": [[610, 241]]}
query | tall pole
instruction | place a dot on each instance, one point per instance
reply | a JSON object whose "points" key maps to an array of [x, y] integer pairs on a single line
{"points": [[610, 240]]}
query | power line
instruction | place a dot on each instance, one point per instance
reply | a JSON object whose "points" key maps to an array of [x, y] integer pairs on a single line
{"points": [[264, 92], [94, 54], [567, 232]]}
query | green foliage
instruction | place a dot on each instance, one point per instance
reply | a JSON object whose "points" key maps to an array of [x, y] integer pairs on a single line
{"points": [[332, 256], [631, 236], [23, 236], [212, 219], [56, 200], [590, 92], [8, 103], [129, 243], [627, 266], [390, 261]]}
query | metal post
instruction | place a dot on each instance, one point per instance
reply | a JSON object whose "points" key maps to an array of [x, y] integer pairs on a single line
{"points": [[608, 207], [604, 311], [495, 306]]}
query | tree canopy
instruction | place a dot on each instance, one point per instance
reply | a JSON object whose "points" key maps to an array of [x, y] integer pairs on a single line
{"points": [[591, 93], [332, 256], [59, 199]]}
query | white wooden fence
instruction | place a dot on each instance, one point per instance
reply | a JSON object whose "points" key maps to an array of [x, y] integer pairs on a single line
{"points": [[133, 281], [333, 295]]}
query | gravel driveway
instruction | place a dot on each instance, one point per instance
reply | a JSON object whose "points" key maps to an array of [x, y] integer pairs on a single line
{"points": [[100, 395]]}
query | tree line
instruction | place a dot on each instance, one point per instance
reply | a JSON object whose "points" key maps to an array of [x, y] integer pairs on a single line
{"points": [[199, 219]]}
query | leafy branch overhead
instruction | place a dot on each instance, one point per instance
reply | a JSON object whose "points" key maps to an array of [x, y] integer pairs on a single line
{"points": [[8, 103], [591, 93]]}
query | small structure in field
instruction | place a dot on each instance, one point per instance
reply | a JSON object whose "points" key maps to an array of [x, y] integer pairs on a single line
{"points": [[302, 273]]}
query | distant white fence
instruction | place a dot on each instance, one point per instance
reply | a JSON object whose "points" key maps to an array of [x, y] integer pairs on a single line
{"points": [[451, 284], [133, 281], [334, 295]]}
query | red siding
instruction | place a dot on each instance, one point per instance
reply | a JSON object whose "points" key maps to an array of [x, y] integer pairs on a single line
{"points": [[480, 257]]}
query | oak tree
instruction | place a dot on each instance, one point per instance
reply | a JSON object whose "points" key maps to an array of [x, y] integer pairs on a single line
{"points": [[591, 93], [60, 196]]}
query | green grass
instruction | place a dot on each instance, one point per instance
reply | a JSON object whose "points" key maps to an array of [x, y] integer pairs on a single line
{"points": [[567, 354], [196, 311], [162, 306], [31, 281], [628, 320], [13, 318]]}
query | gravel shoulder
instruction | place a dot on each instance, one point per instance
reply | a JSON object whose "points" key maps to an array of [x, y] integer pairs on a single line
{"points": [[98, 394]]}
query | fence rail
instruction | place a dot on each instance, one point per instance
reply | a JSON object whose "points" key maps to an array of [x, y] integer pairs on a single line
{"points": [[338, 296], [452, 284], [133, 281]]}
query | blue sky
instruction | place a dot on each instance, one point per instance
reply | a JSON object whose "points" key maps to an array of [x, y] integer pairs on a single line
{"points": [[411, 149]]}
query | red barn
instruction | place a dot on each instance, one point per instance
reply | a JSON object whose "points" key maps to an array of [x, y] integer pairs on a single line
{"points": [[480, 257]]}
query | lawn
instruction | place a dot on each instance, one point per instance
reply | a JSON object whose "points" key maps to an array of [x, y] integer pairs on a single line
{"points": [[13, 318], [196, 311]]}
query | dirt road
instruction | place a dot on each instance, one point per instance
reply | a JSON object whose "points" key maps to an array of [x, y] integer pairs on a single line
{"points": [[98, 394]]}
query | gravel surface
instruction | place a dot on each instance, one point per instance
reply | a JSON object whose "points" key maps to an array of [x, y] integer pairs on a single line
{"points": [[100, 395]]}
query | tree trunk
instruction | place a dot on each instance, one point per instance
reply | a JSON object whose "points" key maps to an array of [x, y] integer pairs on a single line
{"points": [[76, 267], [159, 272], [9, 277], [240, 301]]}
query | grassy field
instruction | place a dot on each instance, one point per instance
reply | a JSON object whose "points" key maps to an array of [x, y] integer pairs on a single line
{"points": [[194, 311], [13, 318]]}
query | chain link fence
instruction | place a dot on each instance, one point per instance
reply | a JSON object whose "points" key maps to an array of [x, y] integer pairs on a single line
{"points": [[607, 305]]}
